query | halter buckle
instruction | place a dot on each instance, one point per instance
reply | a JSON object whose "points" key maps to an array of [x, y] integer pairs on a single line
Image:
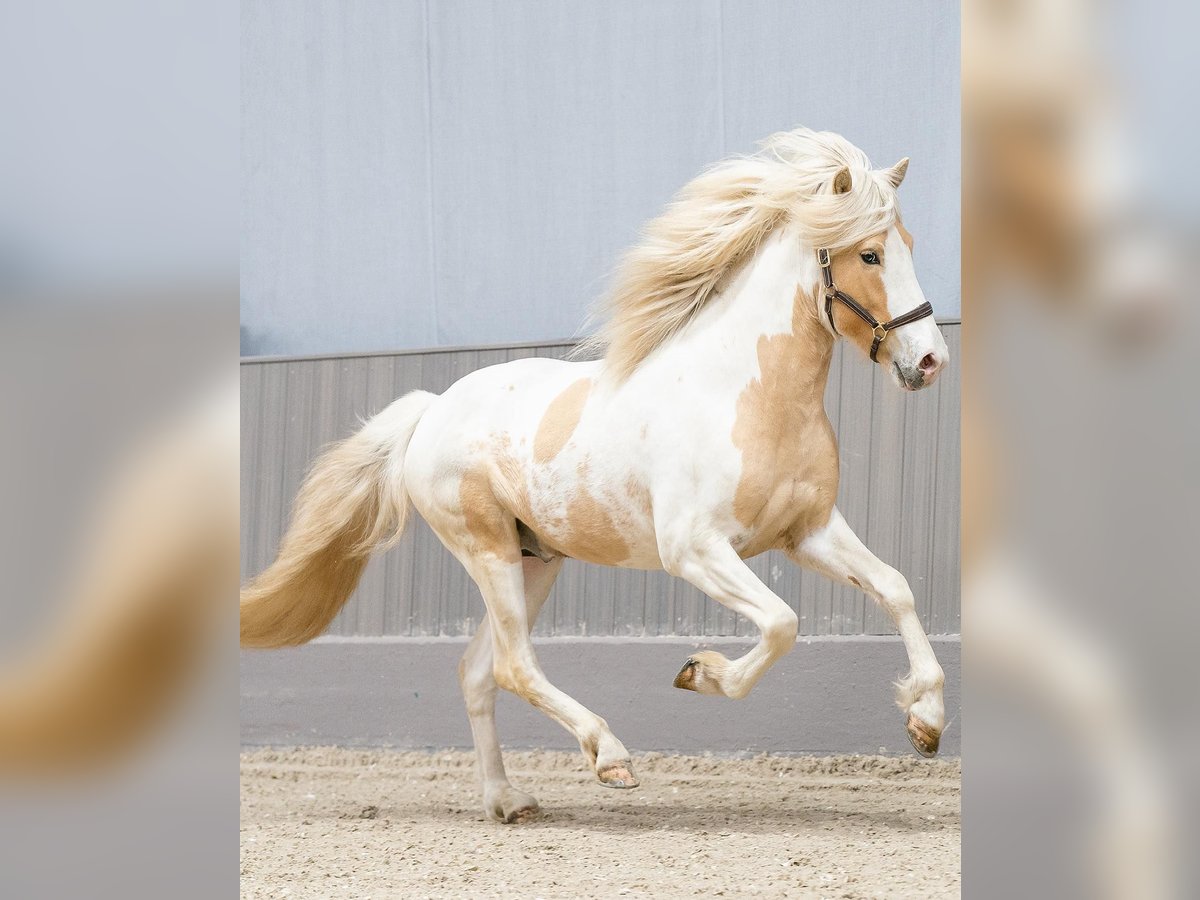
{"points": [[823, 258]]}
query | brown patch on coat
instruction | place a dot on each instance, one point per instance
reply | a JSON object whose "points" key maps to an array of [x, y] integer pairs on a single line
{"points": [[592, 525], [559, 421], [509, 479], [494, 495], [593, 533], [640, 495], [492, 528], [789, 478], [865, 284]]}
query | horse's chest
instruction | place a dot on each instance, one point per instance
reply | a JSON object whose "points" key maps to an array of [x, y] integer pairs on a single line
{"points": [[786, 491]]}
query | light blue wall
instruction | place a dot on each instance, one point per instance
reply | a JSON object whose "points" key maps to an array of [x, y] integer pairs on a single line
{"points": [[447, 172]]}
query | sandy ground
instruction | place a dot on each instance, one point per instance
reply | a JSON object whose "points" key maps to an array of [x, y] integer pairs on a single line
{"points": [[320, 822]]}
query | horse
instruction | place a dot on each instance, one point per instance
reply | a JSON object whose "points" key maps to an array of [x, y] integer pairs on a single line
{"points": [[696, 440]]}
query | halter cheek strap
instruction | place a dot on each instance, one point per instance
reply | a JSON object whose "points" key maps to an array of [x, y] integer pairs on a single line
{"points": [[879, 329]]}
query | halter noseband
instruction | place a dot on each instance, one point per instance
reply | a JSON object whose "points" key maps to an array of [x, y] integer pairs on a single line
{"points": [[880, 329]]}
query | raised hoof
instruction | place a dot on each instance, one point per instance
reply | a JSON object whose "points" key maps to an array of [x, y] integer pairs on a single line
{"points": [[924, 739], [702, 673], [618, 775], [686, 679]]}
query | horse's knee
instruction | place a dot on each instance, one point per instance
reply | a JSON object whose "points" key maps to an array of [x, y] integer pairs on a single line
{"points": [[895, 595], [473, 677], [780, 630]]}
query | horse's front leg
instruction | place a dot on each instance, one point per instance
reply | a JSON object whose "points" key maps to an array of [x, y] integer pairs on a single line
{"points": [[836, 551], [717, 570]]}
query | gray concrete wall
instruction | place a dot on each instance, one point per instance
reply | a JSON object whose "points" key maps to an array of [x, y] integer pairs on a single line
{"points": [[420, 173], [829, 695]]}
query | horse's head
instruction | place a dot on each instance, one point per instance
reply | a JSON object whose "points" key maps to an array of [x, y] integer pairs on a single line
{"points": [[870, 295]]}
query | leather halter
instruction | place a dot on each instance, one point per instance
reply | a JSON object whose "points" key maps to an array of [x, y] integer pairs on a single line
{"points": [[880, 329]]}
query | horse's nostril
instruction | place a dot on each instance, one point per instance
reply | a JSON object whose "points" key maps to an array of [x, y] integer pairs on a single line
{"points": [[929, 363]]}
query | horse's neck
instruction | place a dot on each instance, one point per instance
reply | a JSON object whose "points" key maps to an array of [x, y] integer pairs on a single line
{"points": [[763, 326]]}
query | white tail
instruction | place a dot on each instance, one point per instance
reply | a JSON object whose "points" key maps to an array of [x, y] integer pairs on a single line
{"points": [[352, 501]]}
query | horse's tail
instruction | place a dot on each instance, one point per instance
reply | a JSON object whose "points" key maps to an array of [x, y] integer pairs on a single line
{"points": [[352, 501]]}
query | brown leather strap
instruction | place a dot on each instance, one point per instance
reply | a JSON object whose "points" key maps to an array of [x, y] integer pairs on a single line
{"points": [[879, 329]]}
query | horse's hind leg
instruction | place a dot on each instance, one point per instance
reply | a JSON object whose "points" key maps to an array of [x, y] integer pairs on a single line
{"points": [[501, 800], [500, 575], [837, 552]]}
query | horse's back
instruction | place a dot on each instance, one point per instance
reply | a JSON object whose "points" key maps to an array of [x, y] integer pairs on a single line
{"points": [[501, 396], [489, 414]]}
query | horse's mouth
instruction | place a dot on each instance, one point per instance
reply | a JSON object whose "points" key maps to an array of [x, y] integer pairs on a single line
{"points": [[915, 383]]}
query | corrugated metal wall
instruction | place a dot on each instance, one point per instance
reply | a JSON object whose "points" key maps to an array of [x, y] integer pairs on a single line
{"points": [[900, 479]]}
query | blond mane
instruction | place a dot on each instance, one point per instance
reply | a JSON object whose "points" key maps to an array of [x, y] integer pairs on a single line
{"points": [[717, 222]]}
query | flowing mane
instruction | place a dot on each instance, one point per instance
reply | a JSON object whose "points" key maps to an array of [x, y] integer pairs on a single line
{"points": [[716, 223]]}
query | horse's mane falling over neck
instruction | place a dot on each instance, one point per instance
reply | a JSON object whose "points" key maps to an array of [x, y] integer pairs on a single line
{"points": [[717, 222]]}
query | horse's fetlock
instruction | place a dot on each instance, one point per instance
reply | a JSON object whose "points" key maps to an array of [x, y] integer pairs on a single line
{"points": [[589, 743]]}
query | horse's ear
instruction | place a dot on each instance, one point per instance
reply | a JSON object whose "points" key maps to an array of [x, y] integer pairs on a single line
{"points": [[841, 181], [896, 173]]}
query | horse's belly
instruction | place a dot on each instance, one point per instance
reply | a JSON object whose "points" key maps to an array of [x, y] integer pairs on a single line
{"points": [[609, 545], [611, 528]]}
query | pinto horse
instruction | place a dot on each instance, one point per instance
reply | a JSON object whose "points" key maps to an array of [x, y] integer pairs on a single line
{"points": [[699, 439]]}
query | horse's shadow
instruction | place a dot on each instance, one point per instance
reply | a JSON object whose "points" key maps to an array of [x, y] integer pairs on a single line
{"points": [[777, 818], [607, 818]]}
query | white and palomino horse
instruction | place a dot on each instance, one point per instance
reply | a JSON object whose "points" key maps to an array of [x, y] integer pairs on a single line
{"points": [[699, 440]]}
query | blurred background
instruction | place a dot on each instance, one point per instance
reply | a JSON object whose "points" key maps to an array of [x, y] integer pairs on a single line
{"points": [[1079, 437], [118, 449]]}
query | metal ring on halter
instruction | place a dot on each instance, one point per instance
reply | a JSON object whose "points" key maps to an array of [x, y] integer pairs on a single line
{"points": [[879, 329]]}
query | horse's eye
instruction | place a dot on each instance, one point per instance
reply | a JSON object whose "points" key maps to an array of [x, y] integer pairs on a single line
{"points": [[870, 258]]}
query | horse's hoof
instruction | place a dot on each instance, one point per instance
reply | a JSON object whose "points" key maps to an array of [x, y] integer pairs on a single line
{"points": [[522, 814], [513, 806], [618, 775], [923, 737], [686, 679], [702, 673]]}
